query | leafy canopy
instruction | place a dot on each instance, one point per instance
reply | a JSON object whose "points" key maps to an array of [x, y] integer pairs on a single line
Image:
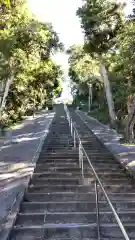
{"points": [[26, 47], [101, 21]]}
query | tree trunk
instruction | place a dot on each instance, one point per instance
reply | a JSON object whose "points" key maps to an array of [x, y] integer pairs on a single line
{"points": [[130, 122], [3, 100], [129, 128], [7, 87], [108, 93]]}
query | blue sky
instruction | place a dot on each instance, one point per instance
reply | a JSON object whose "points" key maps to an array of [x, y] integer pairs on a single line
{"points": [[62, 14]]}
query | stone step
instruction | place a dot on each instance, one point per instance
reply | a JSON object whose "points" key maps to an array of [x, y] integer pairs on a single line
{"points": [[58, 174], [60, 146], [59, 152], [39, 219], [75, 206], [100, 154], [70, 175], [97, 159], [70, 152], [60, 164], [95, 150], [59, 141], [105, 165], [59, 160], [75, 196], [68, 160], [70, 165], [59, 188], [55, 181], [59, 196], [74, 169], [69, 186], [88, 178], [62, 154], [72, 160], [110, 183], [71, 231], [42, 168], [103, 168]]}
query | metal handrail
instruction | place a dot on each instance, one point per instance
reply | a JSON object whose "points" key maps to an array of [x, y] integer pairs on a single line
{"points": [[75, 135]]}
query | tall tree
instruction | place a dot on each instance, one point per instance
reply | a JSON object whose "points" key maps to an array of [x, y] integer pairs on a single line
{"points": [[26, 46], [101, 20], [82, 66], [83, 71]]}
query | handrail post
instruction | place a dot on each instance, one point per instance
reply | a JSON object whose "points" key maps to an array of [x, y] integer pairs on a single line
{"points": [[82, 164], [74, 139], [97, 210], [71, 128], [80, 155]]}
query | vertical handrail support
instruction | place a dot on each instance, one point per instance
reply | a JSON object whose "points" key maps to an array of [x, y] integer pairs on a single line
{"points": [[97, 209]]}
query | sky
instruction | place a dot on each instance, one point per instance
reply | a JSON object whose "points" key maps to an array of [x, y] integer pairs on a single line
{"points": [[62, 15]]}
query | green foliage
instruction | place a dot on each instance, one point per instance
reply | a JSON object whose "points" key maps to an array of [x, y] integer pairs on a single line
{"points": [[26, 46], [110, 35], [83, 69], [101, 114], [101, 21], [5, 2]]}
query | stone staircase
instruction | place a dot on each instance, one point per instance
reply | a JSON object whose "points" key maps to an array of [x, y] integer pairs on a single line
{"points": [[59, 203]]}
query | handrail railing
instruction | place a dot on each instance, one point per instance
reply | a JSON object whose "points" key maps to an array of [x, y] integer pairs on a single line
{"points": [[82, 152]]}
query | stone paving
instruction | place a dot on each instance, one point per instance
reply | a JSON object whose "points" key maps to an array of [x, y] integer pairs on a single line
{"points": [[125, 154], [19, 151]]}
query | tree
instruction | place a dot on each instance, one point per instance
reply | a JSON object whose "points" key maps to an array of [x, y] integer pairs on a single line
{"points": [[101, 20], [26, 46], [83, 71], [5, 2], [109, 41], [82, 67]]}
